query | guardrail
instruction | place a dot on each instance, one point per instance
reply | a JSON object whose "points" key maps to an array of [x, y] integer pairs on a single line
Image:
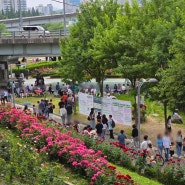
{"points": [[32, 34]]}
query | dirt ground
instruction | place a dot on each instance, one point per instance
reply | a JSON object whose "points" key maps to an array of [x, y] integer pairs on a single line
{"points": [[154, 126]]}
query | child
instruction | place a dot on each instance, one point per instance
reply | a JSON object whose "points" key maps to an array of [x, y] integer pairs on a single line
{"points": [[183, 145], [172, 149]]}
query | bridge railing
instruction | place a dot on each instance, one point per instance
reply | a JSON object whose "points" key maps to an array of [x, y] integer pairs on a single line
{"points": [[32, 34]]}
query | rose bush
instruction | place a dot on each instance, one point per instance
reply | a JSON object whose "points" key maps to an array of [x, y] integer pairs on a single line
{"points": [[171, 173], [64, 147]]}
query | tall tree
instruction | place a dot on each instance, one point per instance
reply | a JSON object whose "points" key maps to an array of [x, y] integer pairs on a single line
{"points": [[94, 15], [162, 28]]}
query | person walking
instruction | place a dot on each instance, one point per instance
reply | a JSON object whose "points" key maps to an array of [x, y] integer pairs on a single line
{"points": [[63, 114], [41, 107], [166, 145], [104, 130], [159, 142], [135, 136], [69, 112], [99, 128], [50, 109], [64, 98], [92, 118], [110, 125], [179, 143], [27, 73], [105, 125], [57, 87], [122, 137]]}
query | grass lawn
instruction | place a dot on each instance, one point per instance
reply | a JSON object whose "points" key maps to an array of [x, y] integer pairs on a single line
{"points": [[33, 101], [136, 177], [153, 108]]}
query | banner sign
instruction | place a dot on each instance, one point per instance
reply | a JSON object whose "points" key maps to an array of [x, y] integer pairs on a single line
{"points": [[121, 111], [85, 103]]}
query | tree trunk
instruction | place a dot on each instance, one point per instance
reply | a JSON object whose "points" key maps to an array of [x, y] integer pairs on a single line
{"points": [[165, 114], [100, 82], [101, 87]]}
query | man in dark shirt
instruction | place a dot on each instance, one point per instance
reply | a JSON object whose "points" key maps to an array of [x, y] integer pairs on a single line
{"points": [[42, 107], [69, 112], [99, 128], [98, 117], [135, 136]]}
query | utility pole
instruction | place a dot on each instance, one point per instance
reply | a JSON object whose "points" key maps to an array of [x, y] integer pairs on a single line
{"points": [[64, 8], [20, 15]]}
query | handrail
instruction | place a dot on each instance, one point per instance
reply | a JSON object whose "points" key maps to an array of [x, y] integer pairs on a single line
{"points": [[32, 34]]}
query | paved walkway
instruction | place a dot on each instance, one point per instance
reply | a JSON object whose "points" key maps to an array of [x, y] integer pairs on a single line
{"points": [[53, 81]]}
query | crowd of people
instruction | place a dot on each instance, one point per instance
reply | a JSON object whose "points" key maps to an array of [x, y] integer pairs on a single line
{"points": [[171, 147], [117, 88], [100, 124]]}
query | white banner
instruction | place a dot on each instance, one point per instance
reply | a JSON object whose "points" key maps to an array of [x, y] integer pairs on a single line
{"points": [[85, 103], [121, 111]]}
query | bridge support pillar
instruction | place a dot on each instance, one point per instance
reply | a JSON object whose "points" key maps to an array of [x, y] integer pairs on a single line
{"points": [[4, 74]]}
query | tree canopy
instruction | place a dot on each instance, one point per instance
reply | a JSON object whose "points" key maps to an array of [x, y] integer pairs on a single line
{"points": [[138, 41]]}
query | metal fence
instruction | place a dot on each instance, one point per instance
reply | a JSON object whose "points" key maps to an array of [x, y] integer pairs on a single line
{"points": [[32, 34]]}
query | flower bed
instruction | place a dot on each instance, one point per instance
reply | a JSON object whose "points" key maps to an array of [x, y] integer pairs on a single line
{"points": [[63, 147], [33, 169], [172, 172]]}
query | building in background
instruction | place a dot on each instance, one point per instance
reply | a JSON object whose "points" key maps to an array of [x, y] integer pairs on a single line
{"points": [[45, 10], [1, 5], [13, 4]]}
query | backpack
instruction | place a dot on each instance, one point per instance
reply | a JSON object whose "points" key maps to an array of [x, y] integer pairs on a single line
{"points": [[113, 124]]}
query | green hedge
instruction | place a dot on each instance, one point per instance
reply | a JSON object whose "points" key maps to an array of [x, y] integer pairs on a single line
{"points": [[37, 65]]}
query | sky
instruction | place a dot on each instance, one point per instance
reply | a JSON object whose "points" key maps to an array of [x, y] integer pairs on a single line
{"points": [[33, 3]]}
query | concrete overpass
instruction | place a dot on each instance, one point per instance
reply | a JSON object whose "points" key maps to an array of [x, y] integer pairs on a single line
{"points": [[11, 48], [47, 46], [13, 24]]}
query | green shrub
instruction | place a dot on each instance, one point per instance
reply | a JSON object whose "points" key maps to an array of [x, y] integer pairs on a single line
{"points": [[5, 149], [114, 154], [150, 172], [36, 65]]}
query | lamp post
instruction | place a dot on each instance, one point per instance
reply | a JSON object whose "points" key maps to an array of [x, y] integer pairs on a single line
{"points": [[140, 84], [13, 95]]}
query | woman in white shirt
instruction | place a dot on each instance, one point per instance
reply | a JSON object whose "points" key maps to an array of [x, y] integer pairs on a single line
{"points": [[63, 114], [166, 145]]}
